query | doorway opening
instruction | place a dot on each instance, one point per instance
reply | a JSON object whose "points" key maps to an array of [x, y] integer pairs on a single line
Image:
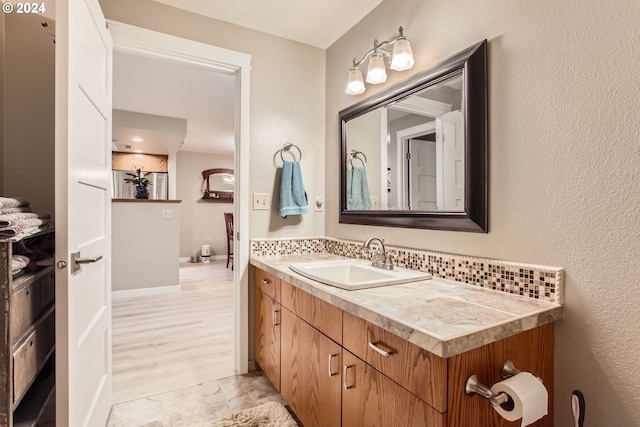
{"points": [[188, 162]]}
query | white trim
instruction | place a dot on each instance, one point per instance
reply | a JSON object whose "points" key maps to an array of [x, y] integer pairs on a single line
{"points": [[143, 292], [145, 42], [222, 257], [402, 138]]}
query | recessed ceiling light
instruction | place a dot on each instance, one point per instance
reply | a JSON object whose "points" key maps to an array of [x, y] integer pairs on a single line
{"points": [[137, 139]]}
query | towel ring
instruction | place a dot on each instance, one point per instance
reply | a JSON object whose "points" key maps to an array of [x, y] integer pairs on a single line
{"points": [[288, 147], [357, 155]]}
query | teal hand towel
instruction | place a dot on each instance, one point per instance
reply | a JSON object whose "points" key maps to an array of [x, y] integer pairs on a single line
{"points": [[293, 197], [358, 197]]}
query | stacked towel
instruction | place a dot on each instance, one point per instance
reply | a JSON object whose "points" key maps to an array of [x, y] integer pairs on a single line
{"points": [[17, 220], [13, 202], [23, 218], [293, 197], [18, 264], [358, 197]]}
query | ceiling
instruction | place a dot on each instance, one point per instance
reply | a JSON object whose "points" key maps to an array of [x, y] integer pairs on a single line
{"points": [[318, 23], [160, 87], [206, 98]]}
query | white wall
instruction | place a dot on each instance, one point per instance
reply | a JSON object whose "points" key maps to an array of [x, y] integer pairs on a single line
{"points": [[564, 166], [144, 250], [201, 221], [287, 102], [29, 94]]}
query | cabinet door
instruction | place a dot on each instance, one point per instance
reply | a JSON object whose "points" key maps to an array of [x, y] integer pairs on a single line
{"points": [[310, 373], [267, 336], [371, 399]]}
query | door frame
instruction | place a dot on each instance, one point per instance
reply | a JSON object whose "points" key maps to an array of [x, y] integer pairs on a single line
{"points": [[402, 148], [132, 39]]}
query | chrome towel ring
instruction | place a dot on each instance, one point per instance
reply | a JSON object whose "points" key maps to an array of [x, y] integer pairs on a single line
{"points": [[288, 147]]}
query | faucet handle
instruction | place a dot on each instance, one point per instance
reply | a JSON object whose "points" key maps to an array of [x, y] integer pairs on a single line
{"points": [[388, 262]]}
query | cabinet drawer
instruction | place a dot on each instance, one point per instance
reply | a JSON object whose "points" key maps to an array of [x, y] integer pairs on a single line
{"points": [[323, 316], [28, 303], [371, 399], [268, 283], [414, 368], [30, 356]]}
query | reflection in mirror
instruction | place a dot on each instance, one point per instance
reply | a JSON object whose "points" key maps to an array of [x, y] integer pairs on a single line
{"points": [[416, 151], [425, 144]]}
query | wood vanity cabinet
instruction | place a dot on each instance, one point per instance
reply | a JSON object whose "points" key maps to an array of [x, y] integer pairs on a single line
{"points": [[370, 399], [268, 313], [339, 369], [311, 360]]}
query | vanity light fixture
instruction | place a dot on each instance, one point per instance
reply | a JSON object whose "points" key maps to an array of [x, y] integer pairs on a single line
{"points": [[401, 58]]}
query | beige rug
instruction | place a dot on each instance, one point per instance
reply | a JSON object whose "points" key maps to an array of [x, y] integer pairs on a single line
{"points": [[270, 414]]}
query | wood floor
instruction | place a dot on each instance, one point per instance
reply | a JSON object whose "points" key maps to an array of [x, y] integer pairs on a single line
{"points": [[167, 342]]}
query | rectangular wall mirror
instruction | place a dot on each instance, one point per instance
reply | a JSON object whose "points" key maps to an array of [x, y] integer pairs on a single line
{"points": [[414, 155]]}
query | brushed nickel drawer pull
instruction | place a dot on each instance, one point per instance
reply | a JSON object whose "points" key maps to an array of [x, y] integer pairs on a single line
{"points": [[266, 281], [276, 321], [331, 374], [379, 350], [344, 377]]}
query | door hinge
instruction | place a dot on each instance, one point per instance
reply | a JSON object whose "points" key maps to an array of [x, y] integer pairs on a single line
{"points": [[408, 156]]}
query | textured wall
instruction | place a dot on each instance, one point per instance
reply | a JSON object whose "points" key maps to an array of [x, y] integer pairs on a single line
{"points": [[287, 101], [201, 221], [564, 152]]}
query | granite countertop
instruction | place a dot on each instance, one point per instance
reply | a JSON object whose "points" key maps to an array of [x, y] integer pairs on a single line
{"points": [[441, 316]]}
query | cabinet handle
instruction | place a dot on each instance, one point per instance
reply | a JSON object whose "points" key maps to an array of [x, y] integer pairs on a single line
{"points": [[344, 377], [266, 281], [276, 321], [331, 374], [379, 350]]}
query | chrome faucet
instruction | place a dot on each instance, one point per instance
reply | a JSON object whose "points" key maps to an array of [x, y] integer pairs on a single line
{"points": [[380, 260]]}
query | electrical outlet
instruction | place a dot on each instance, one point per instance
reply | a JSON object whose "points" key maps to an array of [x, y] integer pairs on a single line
{"points": [[375, 202], [319, 204], [167, 213], [261, 201]]}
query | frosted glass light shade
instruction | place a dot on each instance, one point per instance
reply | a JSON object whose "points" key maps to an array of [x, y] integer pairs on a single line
{"points": [[377, 73], [355, 84], [402, 55]]}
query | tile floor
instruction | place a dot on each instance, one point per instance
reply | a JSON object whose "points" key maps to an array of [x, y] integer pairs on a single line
{"points": [[196, 406]]}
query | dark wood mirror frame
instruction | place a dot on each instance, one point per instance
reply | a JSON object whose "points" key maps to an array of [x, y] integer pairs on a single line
{"points": [[212, 194], [473, 64]]}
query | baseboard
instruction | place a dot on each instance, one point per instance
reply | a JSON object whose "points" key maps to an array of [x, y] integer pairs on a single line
{"points": [[159, 290], [215, 257]]}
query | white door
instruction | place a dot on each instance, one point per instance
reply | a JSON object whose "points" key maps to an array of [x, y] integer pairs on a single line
{"points": [[450, 146], [422, 175], [83, 214]]}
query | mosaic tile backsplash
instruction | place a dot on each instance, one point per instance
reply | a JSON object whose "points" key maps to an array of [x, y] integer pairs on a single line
{"points": [[533, 281]]}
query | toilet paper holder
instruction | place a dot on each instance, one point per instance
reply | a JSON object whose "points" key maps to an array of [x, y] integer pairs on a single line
{"points": [[474, 386]]}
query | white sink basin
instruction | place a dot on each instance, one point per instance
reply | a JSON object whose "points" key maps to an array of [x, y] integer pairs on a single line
{"points": [[353, 274]]}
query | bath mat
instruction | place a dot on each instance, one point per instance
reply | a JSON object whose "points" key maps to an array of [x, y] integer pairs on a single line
{"points": [[270, 414]]}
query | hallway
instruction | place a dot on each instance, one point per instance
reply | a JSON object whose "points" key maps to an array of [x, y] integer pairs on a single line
{"points": [[173, 355], [167, 342]]}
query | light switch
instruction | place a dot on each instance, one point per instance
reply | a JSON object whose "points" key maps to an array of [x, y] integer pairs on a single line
{"points": [[261, 201]]}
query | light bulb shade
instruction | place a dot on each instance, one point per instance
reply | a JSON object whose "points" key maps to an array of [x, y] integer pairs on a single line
{"points": [[377, 73], [355, 84], [402, 56]]}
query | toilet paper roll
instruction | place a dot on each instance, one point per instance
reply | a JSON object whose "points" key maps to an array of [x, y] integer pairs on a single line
{"points": [[529, 396]]}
